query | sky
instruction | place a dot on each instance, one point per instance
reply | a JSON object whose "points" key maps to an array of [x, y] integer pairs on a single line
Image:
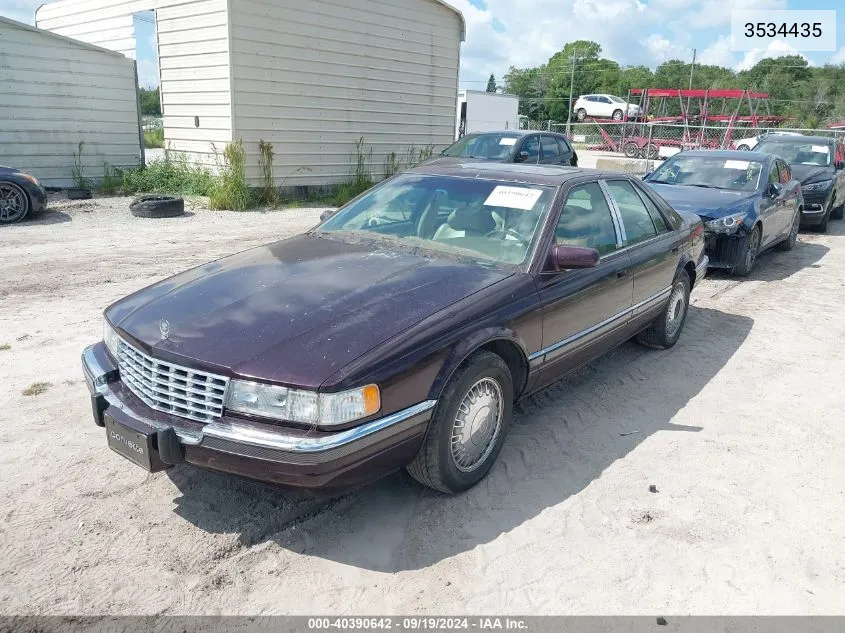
{"points": [[525, 33]]}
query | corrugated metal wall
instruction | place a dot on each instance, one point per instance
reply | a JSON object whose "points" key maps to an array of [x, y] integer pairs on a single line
{"points": [[58, 92], [314, 77], [193, 47]]}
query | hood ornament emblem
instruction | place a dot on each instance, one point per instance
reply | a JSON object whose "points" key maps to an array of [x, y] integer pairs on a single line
{"points": [[164, 328]]}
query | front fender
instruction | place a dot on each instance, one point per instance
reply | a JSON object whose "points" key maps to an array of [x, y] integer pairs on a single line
{"points": [[464, 348]]}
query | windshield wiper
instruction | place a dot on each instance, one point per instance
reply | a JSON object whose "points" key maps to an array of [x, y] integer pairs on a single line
{"points": [[701, 184], [661, 182]]}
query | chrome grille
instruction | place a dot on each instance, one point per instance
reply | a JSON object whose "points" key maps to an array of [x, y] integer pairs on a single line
{"points": [[172, 388]]}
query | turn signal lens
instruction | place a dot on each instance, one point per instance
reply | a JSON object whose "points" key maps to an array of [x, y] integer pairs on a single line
{"points": [[372, 399]]}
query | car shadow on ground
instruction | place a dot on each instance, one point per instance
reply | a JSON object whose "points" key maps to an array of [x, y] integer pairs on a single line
{"points": [[48, 216], [561, 440], [775, 265]]}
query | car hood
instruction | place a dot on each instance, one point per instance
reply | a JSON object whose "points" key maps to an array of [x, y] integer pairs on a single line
{"points": [[295, 311], [707, 203], [811, 173]]}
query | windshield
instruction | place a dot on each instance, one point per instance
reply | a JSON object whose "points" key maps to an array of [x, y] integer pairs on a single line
{"points": [[489, 146], [709, 171], [616, 99], [798, 152], [465, 217]]}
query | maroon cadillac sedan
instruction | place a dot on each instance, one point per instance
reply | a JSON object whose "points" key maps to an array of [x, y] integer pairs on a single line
{"points": [[396, 334]]}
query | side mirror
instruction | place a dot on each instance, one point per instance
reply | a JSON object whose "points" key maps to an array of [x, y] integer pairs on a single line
{"points": [[521, 157], [325, 215], [840, 164], [774, 189], [569, 257]]}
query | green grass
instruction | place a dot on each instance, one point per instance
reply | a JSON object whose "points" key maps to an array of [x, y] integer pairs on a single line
{"points": [[154, 139], [172, 175]]}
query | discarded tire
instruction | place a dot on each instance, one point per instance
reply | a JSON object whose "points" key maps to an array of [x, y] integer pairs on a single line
{"points": [[157, 207], [78, 194]]}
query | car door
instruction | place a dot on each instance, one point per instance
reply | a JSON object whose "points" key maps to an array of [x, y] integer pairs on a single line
{"points": [[651, 242], [605, 107], [529, 150], [567, 154], [584, 311], [791, 196], [771, 207]]}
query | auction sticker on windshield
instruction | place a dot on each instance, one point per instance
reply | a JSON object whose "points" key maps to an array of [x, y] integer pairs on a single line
{"points": [[820, 149], [513, 198], [736, 164], [507, 141]]}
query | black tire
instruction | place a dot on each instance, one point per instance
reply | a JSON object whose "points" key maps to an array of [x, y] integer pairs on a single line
{"points": [[157, 207], [748, 253], [666, 329], [78, 194], [435, 465], [789, 243], [617, 115], [631, 149], [838, 212], [14, 203], [743, 147], [821, 227], [581, 114]]}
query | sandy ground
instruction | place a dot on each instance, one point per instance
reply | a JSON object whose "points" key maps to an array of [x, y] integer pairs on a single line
{"points": [[739, 427]]}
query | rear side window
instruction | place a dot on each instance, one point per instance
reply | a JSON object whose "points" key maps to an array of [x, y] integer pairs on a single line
{"points": [[654, 212], [549, 146], [635, 217]]}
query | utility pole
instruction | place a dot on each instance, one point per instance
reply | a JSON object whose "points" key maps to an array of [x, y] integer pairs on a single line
{"points": [[692, 69], [571, 84]]}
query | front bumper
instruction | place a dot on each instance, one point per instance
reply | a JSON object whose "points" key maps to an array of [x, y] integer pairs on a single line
{"points": [[816, 205], [701, 269], [267, 452], [37, 198], [725, 251]]}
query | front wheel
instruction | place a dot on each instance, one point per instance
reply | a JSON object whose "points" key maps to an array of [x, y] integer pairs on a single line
{"points": [[14, 203], [789, 243], [581, 114], [666, 329], [631, 149], [617, 115], [838, 212], [743, 147], [748, 253], [468, 427]]}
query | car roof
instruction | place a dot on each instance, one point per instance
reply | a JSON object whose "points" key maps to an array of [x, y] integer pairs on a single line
{"points": [[735, 154], [553, 175], [788, 138]]}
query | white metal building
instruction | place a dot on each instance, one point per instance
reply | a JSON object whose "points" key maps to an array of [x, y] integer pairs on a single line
{"points": [[58, 92], [310, 77], [480, 111]]}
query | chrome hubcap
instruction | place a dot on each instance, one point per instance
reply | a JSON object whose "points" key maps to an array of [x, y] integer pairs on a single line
{"points": [[477, 425], [11, 203], [677, 305]]}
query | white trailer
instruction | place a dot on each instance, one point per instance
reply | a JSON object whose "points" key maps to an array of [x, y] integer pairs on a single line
{"points": [[485, 111]]}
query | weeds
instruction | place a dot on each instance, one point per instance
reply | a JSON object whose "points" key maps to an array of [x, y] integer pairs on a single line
{"points": [[362, 177], [154, 139], [78, 170], [173, 175], [230, 190], [37, 388], [111, 180], [5, 347], [269, 193], [392, 165]]}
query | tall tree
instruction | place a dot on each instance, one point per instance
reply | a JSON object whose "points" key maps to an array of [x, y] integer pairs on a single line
{"points": [[491, 84], [150, 102]]}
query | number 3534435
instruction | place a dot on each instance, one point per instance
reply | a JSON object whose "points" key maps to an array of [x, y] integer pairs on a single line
{"points": [[772, 29]]}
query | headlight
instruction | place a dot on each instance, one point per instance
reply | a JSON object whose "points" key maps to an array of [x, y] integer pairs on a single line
{"points": [[307, 407], [817, 186], [30, 178], [728, 224], [110, 338]]}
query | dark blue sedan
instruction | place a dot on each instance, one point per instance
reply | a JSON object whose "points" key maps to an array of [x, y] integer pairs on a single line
{"points": [[748, 202]]}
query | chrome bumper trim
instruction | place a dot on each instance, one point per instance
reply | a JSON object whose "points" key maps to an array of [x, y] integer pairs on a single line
{"points": [[97, 377]]}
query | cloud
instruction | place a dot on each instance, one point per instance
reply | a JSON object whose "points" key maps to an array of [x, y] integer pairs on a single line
{"points": [[719, 53], [838, 58], [147, 74], [776, 48], [712, 13]]}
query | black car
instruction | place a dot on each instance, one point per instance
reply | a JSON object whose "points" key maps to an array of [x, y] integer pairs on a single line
{"points": [[510, 146], [819, 163], [748, 201], [21, 195]]}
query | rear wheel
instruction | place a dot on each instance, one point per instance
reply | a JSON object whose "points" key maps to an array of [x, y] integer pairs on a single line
{"points": [[666, 329], [469, 426], [581, 114], [14, 203], [631, 149], [617, 115], [744, 147], [748, 253], [652, 151], [789, 243]]}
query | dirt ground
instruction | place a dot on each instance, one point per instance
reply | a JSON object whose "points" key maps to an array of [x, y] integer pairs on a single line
{"points": [[739, 427]]}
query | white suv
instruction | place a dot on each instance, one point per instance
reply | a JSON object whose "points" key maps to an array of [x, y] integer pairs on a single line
{"points": [[605, 107], [752, 141]]}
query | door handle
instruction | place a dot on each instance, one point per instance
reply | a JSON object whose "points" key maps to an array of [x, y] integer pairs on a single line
{"points": [[620, 274], [676, 248]]}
